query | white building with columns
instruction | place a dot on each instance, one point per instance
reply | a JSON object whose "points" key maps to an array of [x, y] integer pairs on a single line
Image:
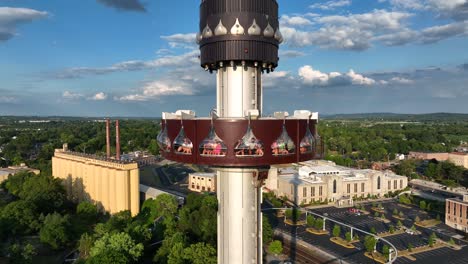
{"points": [[323, 181]]}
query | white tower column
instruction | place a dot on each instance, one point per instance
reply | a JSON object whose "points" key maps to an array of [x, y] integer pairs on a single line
{"points": [[239, 194]]}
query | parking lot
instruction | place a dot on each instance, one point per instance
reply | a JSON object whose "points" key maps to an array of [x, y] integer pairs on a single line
{"points": [[367, 222]]}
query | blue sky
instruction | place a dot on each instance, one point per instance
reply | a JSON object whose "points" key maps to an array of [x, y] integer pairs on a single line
{"points": [[139, 58]]}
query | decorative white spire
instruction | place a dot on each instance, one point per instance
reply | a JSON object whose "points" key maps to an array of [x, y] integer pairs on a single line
{"points": [[237, 29], [254, 29], [207, 32], [279, 36], [220, 29], [269, 31]]}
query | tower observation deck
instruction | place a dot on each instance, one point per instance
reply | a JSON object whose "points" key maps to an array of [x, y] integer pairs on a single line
{"points": [[239, 41]]}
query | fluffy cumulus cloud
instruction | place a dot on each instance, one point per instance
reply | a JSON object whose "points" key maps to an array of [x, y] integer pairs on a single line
{"points": [[98, 97], [331, 4], [313, 77], [11, 18], [350, 32], [124, 5], [391, 27]]}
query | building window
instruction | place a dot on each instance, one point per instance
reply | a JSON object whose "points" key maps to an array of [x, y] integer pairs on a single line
{"points": [[203, 188], [401, 184], [395, 184], [320, 191], [304, 192], [453, 209], [389, 185], [209, 189], [355, 187], [292, 186], [334, 186], [362, 187], [378, 183], [198, 187], [348, 187], [312, 191], [209, 179], [193, 186]]}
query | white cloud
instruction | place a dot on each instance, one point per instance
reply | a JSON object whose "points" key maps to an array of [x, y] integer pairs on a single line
{"points": [[438, 33], [188, 58], [351, 32], [181, 40], [156, 89], [359, 79], [67, 95], [99, 97], [294, 21], [331, 4], [313, 77], [11, 17], [290, 54], [408, 4], [401, 80]]}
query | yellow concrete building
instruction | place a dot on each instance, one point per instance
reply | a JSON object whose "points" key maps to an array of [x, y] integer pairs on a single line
{"points": [[111, 184]]}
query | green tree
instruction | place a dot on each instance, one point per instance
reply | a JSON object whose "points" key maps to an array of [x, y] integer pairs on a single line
{"points": [[117, 244], [15, 183], [417, 219], [267, 231], [87, 210], [395, 211], [399, 224], [391, 229], [369, 243], [422, 205], [200, 253], [176, 255], [432, 239], [386, 251], [310, 221], [410, 247], [45, 192], [19, 217], [451, 242], [401, 215], [318, 224], [55, 230], [84, 245], [275, 247], [348, 236], [373, 231], [21, 254], [336, 231]]}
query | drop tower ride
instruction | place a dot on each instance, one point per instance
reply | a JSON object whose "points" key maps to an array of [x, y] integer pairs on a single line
{"points": [[239, 41]]}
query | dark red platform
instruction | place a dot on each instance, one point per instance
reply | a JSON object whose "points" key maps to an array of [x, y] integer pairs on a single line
{"points": [[231, 131]]}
